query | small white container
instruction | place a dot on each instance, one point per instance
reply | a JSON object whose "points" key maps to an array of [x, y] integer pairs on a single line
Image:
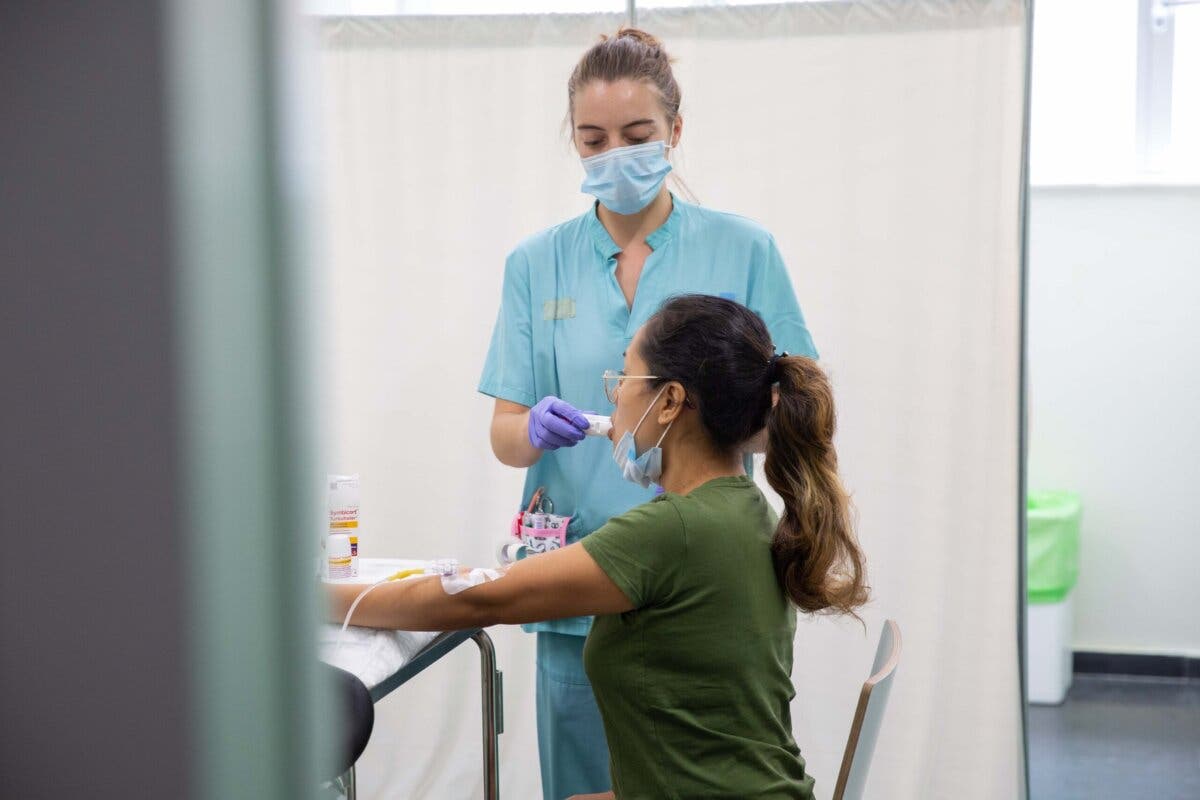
{"points": [[1048, 656], [598, 425], [337, 557]]}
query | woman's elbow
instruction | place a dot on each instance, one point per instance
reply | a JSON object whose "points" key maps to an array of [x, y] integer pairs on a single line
{"points": [[509, 456], [477, 610], [497, 450], [498, 603]]}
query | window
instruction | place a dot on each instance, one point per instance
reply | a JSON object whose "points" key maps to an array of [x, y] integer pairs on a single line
{"points": [[1116, 91]]}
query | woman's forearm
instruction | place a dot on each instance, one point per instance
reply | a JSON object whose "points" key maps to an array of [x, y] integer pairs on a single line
{"points": [[510, 438], [561, 583], [415, 604]]}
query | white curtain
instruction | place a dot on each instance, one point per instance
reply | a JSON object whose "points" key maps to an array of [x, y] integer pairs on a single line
{"points": [[881, 142]]}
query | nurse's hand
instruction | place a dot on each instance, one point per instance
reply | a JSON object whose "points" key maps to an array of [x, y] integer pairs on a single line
{"points": [[555, 423]]}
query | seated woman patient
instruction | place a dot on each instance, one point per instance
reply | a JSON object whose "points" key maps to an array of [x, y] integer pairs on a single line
{"points": [[690, 655]]}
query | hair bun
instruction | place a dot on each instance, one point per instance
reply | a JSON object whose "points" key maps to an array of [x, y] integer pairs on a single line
{"points": [[641, 37]]}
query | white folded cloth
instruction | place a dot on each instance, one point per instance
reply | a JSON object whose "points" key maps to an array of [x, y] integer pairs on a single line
{"points": [[372, 655]]}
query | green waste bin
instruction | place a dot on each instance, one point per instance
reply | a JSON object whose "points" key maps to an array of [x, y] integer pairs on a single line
{"points": [[1052, 551], [1052, 545]]}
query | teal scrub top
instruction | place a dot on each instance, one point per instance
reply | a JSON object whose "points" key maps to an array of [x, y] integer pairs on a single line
{"points": [[563, 321]]}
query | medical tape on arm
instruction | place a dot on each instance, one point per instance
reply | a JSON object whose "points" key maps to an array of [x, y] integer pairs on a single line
{"points": [[465, 579]]}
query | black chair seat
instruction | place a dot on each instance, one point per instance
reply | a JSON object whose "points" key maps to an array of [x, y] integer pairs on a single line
{"points": [[356, 713]]}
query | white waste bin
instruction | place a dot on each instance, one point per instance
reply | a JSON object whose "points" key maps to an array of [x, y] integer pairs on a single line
{"points": [[1048, 654]]}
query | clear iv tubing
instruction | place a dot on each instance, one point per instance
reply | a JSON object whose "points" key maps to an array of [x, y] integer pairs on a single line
{"points": [[445, 567]]}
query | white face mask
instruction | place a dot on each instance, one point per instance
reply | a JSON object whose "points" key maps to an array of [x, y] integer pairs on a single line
{"points": [[646, 468]]}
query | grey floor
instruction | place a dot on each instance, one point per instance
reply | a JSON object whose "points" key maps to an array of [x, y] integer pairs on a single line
{"points": [[1118, 737]]}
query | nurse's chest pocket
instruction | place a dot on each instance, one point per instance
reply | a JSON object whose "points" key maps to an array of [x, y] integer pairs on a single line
{"points": [[558, 308]]}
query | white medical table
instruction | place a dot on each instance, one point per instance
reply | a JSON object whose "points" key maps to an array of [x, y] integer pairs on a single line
{"points": [[386, 660]]}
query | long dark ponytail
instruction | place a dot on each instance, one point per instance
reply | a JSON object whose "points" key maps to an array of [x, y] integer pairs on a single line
{"points": [[817, 556], [721, 352]]}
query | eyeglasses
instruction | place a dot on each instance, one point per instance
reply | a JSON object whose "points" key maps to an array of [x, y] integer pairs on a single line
{"points": [[614, 379]]}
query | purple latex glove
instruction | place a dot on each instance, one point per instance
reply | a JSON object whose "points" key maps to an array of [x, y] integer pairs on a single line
{"points": [[555, 423]]}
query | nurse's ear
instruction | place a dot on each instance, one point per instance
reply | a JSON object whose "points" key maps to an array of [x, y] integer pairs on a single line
{"points": [[676, 131], [675, 399]]}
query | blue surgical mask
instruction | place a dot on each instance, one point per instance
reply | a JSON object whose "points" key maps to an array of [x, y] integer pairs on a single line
{"points": [[626, 179], [646, 468]]}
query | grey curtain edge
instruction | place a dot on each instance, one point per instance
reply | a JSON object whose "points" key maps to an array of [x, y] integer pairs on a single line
{"points": [[1023, 407]]}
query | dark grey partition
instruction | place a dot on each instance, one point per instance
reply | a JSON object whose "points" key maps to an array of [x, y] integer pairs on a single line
{"points": [[94, 679], [156, 591]]}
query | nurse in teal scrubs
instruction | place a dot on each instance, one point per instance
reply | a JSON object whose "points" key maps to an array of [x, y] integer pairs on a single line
{"points": [[573, 296]]}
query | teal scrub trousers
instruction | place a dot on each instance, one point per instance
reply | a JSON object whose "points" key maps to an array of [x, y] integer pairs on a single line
{"points": [[572, 749]]}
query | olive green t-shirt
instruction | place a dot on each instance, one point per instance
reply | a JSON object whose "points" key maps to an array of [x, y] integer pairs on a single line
{"points": [[694, 684]]}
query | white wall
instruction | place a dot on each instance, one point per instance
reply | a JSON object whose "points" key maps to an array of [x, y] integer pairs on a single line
{"points": [[1114, 353]]}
